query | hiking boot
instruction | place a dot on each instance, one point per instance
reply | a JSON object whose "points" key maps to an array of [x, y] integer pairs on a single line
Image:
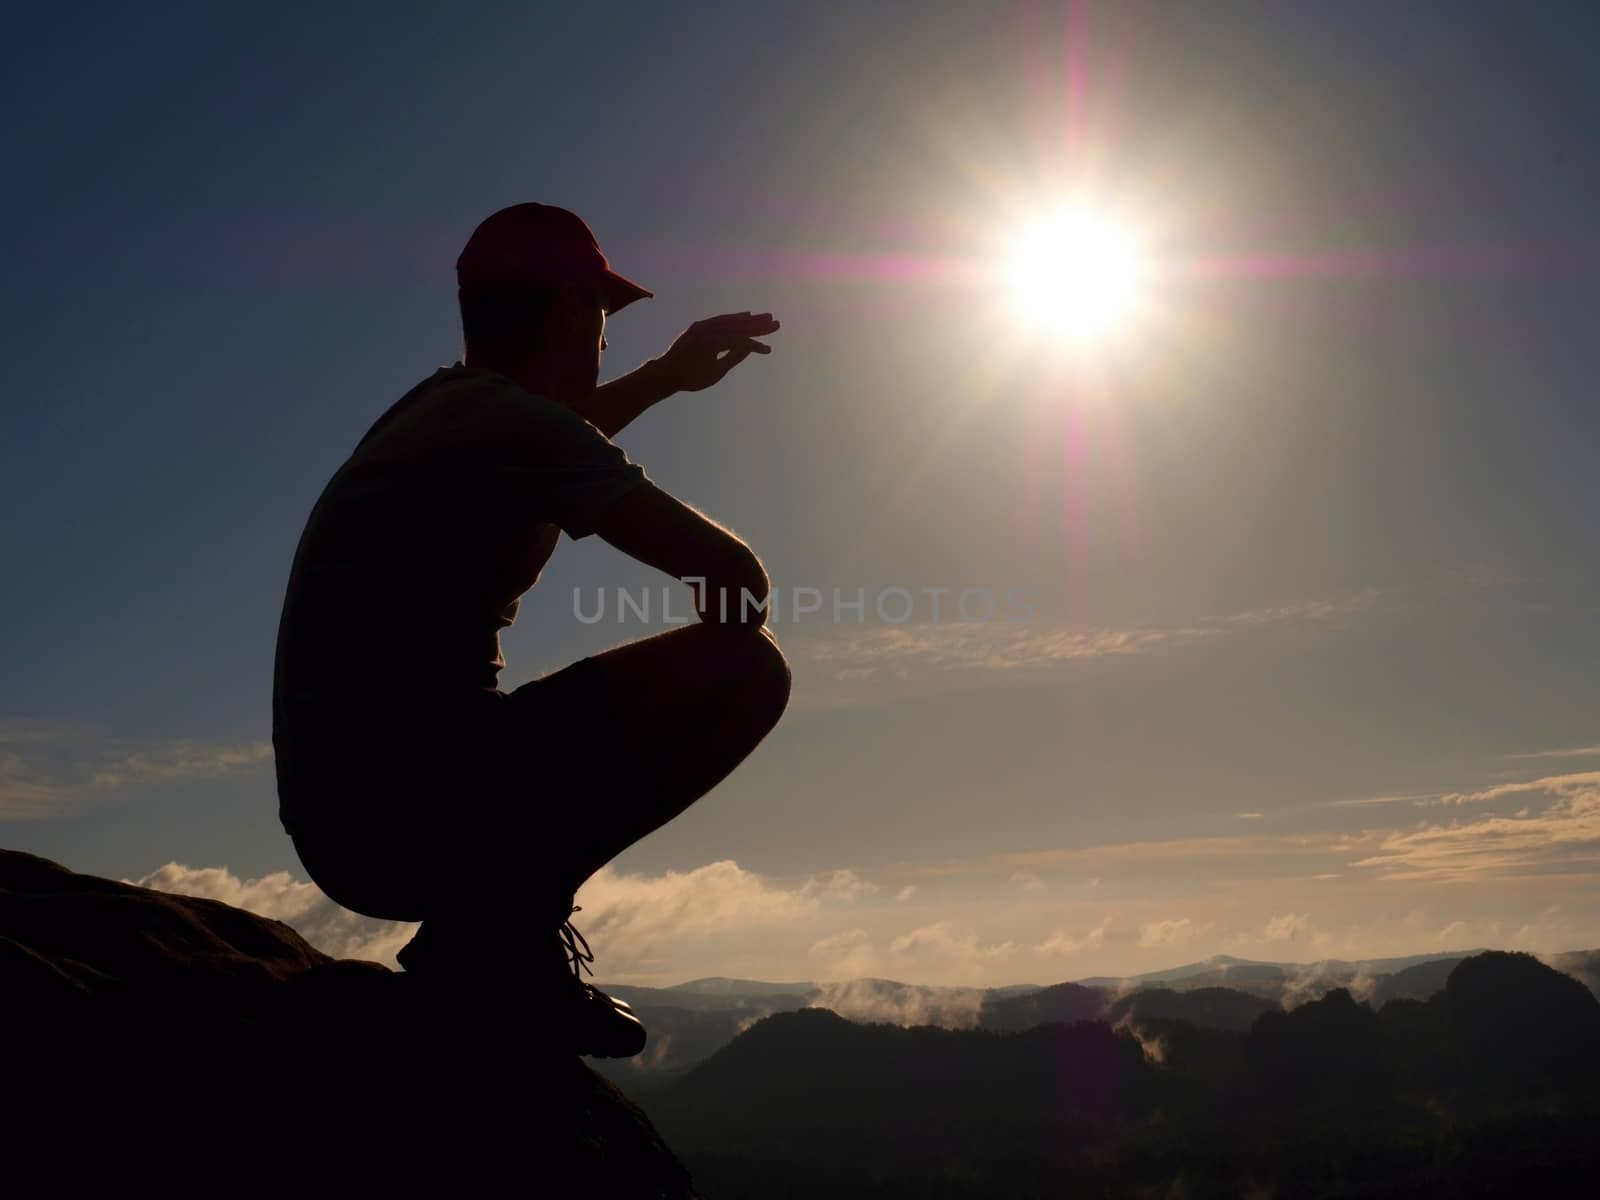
{"points": [[589, 1021]]}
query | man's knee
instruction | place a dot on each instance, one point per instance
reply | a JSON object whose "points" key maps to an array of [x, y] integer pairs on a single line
{"points": [[750, 672], [751, 662], [769, 679]]}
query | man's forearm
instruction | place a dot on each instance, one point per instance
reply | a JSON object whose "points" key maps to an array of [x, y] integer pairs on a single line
{"points": [[615, 403]]}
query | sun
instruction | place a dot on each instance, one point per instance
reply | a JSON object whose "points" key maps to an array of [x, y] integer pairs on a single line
{"points": [[1075, 274]]}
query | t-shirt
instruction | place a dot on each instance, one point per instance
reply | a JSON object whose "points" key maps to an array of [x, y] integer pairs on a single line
{"points": [[415, 557]]}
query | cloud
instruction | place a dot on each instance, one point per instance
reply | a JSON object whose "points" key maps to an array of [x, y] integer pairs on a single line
{"points": [[1575, 752], [1369, 801], [1304, 611], [644, 921], [1027, 881], [1562, 785], [637, 923], [23, 795], [849, 665], [48, 767], [721, 919], [845, 955], [1249, 816], [1062, 945], [950, 951], [882, 1001], [1315, 980], [1562, 838], [843, 885], [1288, 935], [1233, 856], [905, 893], [180, 760], [1562, 835], [302, 906], [1170, 932], [1287, 928], [943, 947]]}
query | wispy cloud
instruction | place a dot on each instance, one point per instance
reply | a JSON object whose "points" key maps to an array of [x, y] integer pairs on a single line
{"points": [[642, 919], [1172, 932], [847, 665], [1560, 836], [879, 1002], [302, 906], [25, 794], [181, 760], [944, 942], [1050, 913], [1065, 943], [1287, 927], [1304, 611], [1371, 801], [1560, 785], [840, 925], [1574, 752], [1258, 856], [843, 885], [48, 767], [847, 954], [1563, 838]]}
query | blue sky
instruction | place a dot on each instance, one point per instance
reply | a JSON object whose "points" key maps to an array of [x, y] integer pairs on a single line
{"points": [[1313, 543]]}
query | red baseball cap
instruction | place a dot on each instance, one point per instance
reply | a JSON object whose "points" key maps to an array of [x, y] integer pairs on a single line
{"points": [[539, 243]]}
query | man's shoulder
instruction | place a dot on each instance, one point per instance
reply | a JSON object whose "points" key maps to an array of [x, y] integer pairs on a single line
{"points": [[453, 406], [465, 397]]}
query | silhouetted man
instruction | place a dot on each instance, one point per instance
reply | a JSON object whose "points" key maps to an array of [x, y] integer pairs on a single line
{"points": [[413, 788]]}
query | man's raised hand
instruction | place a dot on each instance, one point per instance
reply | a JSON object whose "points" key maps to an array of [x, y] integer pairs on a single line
{"points": [[706, 351]]}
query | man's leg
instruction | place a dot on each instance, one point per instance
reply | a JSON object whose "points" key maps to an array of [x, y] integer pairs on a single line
{"points": [[687, 707], [676, 713]]}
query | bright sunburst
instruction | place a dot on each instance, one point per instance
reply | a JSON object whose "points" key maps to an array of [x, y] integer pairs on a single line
{"points": [[1075, 274]]}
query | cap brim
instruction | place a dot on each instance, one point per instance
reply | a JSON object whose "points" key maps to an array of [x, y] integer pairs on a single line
{"points": [[617, 292]]}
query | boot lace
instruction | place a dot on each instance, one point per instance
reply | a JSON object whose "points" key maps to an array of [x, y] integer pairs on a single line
{"points": [[580, 958]]}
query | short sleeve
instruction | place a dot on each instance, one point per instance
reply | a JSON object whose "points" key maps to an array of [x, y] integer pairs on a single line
{"points": [[551, 458]]}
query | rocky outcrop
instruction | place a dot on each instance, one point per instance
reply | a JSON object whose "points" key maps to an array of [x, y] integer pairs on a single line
{"points": [[151, 1036]]}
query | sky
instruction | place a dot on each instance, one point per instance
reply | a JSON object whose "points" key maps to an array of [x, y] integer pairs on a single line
{"points": [[1294, 577]]}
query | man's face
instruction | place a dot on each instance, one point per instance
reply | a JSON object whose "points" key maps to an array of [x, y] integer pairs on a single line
{"points": [[582, 343]]}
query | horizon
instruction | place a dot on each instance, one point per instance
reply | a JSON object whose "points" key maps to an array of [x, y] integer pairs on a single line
{"points": [[1287, 632], [1100, 980]]}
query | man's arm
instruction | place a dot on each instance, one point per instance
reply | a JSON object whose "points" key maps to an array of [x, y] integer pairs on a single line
{"points": [[661, 531], [698, 358], [614, 404]]}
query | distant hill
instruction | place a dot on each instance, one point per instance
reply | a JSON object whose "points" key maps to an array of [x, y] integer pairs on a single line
{"points": [[1582, 965], [1206, 1007], [1274, 980], [1217, 962], [717, 985], [686, 1025], [813, 1069], [1064, 1002], [769, 999], [1417, 982], [690, 1021], [1014, 989], [1490, 1086]]}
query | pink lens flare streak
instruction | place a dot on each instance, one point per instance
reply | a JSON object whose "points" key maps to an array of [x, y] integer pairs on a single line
{"points": [[1425, 262]]}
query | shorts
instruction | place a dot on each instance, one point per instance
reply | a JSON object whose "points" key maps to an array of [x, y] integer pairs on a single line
{"points": [[499, 802]]}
